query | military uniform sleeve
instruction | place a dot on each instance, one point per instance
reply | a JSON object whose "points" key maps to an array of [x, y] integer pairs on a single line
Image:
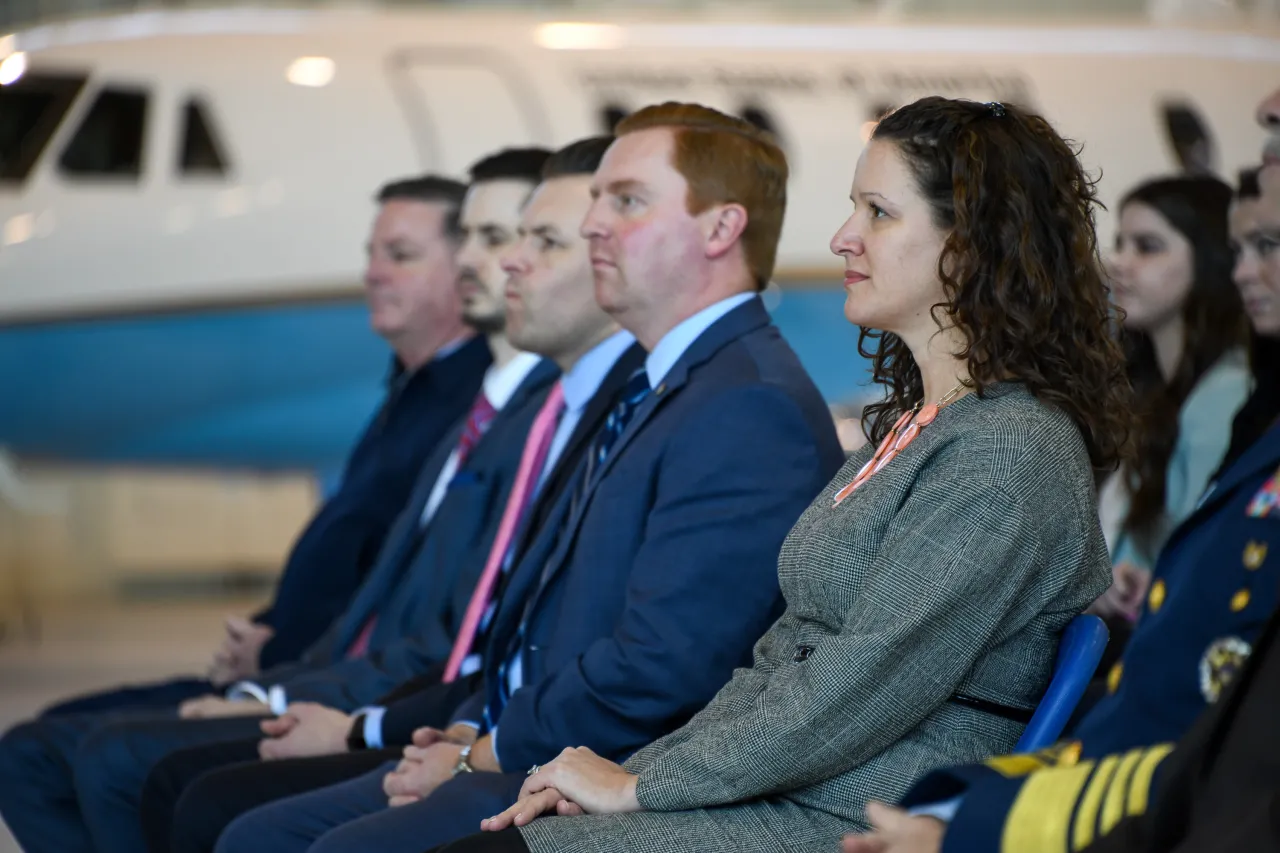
{"points": [[1047, 802]]}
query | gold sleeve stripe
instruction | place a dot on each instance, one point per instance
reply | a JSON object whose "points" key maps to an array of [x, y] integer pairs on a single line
{"points": [[1113, 806], [1018, 764], [1041, 814], [1087, 815], [1140, 787]]}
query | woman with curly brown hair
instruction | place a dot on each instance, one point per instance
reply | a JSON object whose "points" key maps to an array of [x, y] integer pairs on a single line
{"points": [[928, 584]]}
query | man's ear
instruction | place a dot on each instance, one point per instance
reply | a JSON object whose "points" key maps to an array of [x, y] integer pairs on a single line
{"points": [[724, 226]]}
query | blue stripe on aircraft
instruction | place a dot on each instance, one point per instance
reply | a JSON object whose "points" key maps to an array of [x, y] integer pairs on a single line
{"points": [[282, 387]]}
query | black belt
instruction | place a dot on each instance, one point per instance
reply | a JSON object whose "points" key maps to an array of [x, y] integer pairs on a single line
{"points": [[1018, 715]]}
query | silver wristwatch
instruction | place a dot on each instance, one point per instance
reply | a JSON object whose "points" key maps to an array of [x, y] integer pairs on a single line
{"points": [[464, 762]]}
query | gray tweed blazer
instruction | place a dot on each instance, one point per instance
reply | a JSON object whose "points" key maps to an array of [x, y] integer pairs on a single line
{"points": [[951, 572]]}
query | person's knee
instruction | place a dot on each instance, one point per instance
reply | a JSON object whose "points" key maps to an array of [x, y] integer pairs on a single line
{"points": [[355, 837], [100, 763], [196, 817], [21, 749], [253, 831], [31, 762]]}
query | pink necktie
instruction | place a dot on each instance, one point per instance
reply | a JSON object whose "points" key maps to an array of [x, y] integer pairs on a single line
{"points": [[536, 447]]}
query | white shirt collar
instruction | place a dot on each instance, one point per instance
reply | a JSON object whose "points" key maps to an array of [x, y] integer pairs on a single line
{"points": [[501, 382]]}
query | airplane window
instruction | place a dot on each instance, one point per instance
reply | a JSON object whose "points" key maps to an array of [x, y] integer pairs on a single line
{"points": [[200, 153], [108, 142], [760, 117], [610, 115], [30, 111], [1188, 135]]}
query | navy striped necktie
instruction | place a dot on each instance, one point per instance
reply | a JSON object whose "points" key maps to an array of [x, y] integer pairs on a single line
{"points": [[633, 394]]}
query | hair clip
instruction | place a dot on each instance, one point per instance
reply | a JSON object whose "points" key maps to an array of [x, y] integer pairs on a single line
{"points": [[996, 108]]}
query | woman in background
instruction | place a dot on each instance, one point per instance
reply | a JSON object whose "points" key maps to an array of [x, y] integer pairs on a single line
{"points": [[1186, 347]]}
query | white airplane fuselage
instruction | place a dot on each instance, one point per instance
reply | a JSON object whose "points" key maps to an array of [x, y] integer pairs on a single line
{"points": [[218, 310]]}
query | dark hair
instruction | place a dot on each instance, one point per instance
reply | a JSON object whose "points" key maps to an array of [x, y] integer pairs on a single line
{"points": [[1248, 186], [1262, 408], [430, 189], [577, 158], [510, 164], [1020, 268], [1213, 316]]}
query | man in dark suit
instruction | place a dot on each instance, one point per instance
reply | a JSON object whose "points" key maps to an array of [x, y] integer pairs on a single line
{"points": [[656, 573], [73, 781], [551, 309], [435, 373]]}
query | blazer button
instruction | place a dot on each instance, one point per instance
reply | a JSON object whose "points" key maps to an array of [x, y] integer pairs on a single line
{"points": [[802, 653]]}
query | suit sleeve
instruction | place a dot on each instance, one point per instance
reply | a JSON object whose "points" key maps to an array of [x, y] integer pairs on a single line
{"points": [[702, 586], [318, 584], [960, 570], [349, 684]]}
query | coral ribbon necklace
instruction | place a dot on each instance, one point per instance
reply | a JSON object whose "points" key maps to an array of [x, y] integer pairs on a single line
{"points": [[903, 433]]}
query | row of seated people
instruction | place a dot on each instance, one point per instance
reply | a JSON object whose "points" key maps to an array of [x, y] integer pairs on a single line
{"points": [[589, 558]]}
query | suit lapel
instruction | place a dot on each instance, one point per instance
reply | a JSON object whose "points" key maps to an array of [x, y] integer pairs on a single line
{"points": [[745, 318], [539, 378], [397, 550], [554, 490], [591, 422]]}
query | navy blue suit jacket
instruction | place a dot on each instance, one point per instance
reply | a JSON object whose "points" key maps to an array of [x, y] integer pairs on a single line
{"points": [[422, 581], [639, 606], [337, 549]]}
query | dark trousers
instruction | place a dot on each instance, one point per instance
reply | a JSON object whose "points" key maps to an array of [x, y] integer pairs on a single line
{"points": [[192, 795], [173, 775], [160, 695], [72, 782], [507, 841], [354, 817]]}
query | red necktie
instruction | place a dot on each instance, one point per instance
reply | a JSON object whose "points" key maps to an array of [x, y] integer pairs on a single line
{"points": [[482, 412], [536, 447]]}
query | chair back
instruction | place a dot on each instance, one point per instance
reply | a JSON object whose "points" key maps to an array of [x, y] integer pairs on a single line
{"points": [[1078, 655]]}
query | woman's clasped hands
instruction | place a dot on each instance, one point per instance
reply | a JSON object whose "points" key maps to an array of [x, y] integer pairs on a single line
{"points": [[577, 782]]}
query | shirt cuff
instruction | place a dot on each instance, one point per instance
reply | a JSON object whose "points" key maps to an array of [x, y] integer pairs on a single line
{"points": [[493, 744], [944, 811], [275, 697], [373, 727]]}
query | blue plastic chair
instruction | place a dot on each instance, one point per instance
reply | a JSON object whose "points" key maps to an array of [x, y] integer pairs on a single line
{"points": [[1078, 655]]}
